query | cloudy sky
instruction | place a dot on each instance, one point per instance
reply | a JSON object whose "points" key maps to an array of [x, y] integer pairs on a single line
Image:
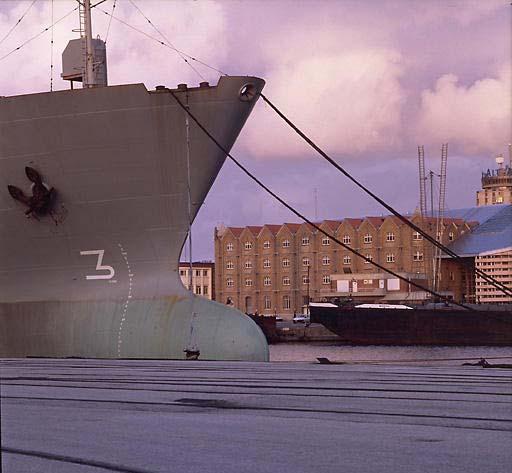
{"points": [[367, 80]]}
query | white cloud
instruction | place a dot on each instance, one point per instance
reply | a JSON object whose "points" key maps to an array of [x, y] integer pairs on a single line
{"points": [[428, 12], [475, 118], [349, 101]]}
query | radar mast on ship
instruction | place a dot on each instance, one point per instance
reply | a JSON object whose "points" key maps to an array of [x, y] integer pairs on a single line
{"points": [[85, 59]]}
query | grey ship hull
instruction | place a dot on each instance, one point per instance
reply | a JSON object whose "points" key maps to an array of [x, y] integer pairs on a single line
{"points": [[99, 276]]}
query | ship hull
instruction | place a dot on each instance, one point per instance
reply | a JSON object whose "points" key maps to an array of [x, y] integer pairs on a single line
{"points": [[98, 275], [416, 326]]}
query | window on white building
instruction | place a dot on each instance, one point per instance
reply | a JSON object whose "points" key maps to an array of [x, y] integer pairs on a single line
{"points": [[205, 290], [198, 289]]}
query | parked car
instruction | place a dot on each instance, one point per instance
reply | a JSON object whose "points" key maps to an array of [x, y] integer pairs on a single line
{"points": [[279, 318], [301, 319]]}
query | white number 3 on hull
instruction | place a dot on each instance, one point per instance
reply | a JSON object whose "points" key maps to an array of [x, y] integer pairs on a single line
{"points": [[99, 266]]}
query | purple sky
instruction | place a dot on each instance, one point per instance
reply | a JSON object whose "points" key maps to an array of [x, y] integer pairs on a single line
{"points": [[369, 81]]}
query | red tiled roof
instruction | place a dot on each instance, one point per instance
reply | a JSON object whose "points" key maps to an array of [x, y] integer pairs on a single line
{"points": [[332, 224], [274, 228], [376, 221], [396, 220], [254, 229], [237, 231], [355, 222], [293, 227]]}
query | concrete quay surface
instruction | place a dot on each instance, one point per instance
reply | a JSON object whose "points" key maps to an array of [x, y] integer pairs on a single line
{"points": [[192, 416]]}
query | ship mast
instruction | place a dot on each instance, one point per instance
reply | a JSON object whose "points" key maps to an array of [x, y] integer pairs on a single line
{"points": [[85, 59], [89, 57]]}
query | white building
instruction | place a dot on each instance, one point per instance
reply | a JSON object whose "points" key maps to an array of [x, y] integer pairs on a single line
{"points": [[203, 278], [497, 264]]}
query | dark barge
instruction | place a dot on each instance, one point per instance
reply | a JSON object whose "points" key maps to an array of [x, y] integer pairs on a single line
{"points": [[432, 324]]}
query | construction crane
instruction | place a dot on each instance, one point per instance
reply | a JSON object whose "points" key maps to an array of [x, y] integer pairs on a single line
{"points": [[423, 181], [435, 259], [440, 214]]}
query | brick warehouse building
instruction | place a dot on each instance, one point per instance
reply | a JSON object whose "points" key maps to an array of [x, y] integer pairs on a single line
{"points": [[277, 268]]}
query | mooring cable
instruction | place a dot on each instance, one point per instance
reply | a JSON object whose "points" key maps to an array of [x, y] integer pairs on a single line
{"points": [[494, 282], [388, 207], [303, 217]]}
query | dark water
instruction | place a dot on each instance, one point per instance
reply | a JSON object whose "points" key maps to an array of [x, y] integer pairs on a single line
{"points": [[393, 354]]}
